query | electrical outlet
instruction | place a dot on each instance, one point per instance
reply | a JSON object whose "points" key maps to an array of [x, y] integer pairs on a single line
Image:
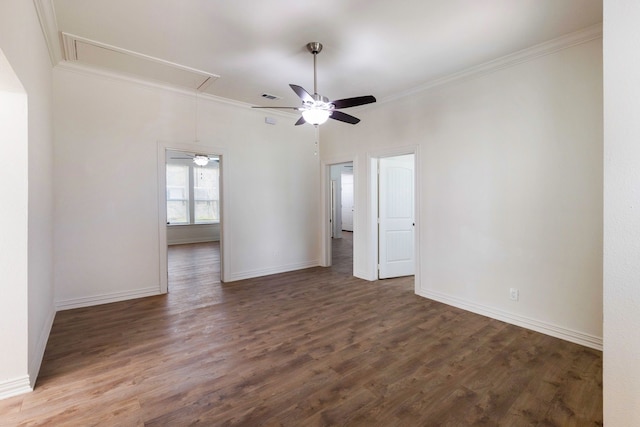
{"points": [[513, 294]]}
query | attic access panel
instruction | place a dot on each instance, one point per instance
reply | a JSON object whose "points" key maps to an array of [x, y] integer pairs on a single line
{"points": [[122, 61]]}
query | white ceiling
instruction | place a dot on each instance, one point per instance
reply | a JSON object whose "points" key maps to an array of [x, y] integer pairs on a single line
{"points": [[381, 48]]}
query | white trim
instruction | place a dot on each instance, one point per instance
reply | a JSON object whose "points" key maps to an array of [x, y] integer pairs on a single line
{"points": [[163, 146], [243, 275], [110, 75], [546, 328], [546, 48], [325, 189], [584, 35], [49, 25], [163, 271], [372, 203], [15, 387], [36, 359], [107, 298], [372, 219]]}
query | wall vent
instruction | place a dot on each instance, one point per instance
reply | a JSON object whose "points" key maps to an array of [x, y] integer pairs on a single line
{"points": [[269, 96]]}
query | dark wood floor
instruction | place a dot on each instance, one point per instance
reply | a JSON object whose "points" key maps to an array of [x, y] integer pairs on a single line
{"points": [[306, 348]]}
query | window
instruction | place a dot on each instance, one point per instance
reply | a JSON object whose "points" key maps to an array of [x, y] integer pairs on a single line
{"points": [[205, 195], [177, 194], [193, 193]]}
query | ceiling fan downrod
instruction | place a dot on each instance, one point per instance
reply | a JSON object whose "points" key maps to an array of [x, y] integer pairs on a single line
{"points": [[315, 48], [316, 109]]}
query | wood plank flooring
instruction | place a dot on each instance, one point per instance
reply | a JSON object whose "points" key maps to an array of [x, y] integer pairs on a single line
{"points": [[308, 348]]}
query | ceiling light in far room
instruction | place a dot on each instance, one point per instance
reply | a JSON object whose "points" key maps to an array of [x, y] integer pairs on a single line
{"points": [[201, 160], [316, 116]]}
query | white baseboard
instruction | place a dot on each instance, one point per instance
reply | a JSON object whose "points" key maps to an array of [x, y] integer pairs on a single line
{"points": [[242, 275], [566, 334], [26, 383], [15, 387], [41, 345], [107, 298]]}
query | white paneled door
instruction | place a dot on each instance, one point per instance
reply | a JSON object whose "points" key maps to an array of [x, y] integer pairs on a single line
{"points": [[396, 217], [347, 201]]}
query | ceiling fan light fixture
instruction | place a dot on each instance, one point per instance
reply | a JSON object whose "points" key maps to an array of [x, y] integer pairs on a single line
{"points": [[316, 109], [316, 116], [201, 160]]}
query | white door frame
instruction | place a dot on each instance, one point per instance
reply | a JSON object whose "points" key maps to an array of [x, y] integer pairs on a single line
{"points": [[372, 184], [325, 217], [162, 202]]}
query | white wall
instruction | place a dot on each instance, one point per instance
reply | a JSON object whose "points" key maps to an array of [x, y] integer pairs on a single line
{"points": [[510, 189], [106, 217], [193, 233], [621, 215], [13, 229], [26, 320]]}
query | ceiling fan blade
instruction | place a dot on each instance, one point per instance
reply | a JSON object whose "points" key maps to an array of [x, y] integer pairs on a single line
{"points": [[344, 117], [285, 108], [300, 121], [353, 102], [182, 158], [303, 94]]}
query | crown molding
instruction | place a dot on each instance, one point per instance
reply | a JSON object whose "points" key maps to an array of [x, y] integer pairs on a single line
{"points": [[110, 75], [49, 25], [563, 42]]}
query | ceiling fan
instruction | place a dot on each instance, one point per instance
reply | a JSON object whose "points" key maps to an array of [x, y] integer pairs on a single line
{"points": [[198, 159], [316, 109]]}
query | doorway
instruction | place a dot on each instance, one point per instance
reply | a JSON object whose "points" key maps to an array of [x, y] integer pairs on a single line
{"points": [[341, 198], [193, 216], [191, 213], [341, 214]]}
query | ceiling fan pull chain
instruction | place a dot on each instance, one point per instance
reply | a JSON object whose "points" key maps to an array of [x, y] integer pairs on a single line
{"points": [[317, 109]]}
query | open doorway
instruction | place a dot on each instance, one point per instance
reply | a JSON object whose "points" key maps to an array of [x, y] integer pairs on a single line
{"points": [[191, 208], [341, 199], [341, 215]]}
